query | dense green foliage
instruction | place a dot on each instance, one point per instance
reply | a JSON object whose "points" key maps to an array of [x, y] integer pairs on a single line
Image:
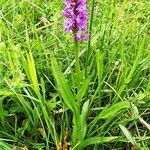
{"points": [[45, 105]]}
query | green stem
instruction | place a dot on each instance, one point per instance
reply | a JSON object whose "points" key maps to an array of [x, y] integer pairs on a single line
{"points": [[77, 64], [89, 42]]}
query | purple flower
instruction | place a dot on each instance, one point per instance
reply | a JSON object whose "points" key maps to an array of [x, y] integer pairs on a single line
{"points": [[81, 37], [76, 15]]}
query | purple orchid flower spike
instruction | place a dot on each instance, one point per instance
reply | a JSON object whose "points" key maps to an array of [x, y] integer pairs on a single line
{"points": [[76, 15]]}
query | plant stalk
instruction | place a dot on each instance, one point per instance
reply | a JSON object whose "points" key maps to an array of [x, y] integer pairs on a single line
{"points": [[77, 63]]}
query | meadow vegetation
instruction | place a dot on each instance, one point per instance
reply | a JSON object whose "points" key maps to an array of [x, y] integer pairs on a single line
{"points": [[45, 105]]}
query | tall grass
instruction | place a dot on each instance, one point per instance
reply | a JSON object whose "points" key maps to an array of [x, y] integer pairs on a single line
{"points": [[45, 105]]}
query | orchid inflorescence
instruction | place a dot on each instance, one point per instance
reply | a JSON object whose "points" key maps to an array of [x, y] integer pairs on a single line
{"points": [[77, 17]]}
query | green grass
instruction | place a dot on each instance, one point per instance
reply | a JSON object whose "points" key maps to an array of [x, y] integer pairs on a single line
{"points": [[45, 104]]}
